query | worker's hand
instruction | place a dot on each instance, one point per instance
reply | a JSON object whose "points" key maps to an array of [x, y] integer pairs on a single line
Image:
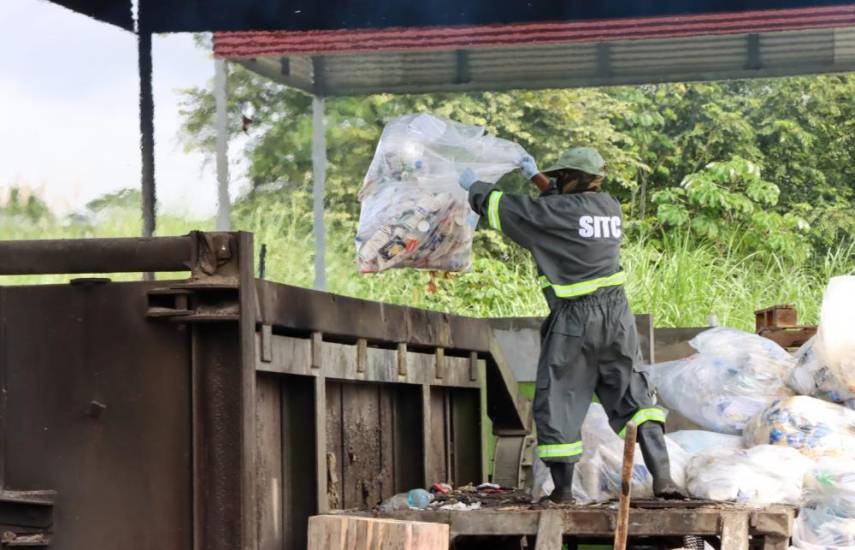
{"points": [[467, 178], [528, 167]]}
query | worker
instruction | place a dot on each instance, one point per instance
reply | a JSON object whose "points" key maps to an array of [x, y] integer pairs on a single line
{"points": [[589, 341]]}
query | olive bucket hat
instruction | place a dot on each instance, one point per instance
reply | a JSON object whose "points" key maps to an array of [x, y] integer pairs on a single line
{"points": [[585, 159]]}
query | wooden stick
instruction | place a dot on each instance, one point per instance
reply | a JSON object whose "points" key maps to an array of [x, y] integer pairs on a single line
{"points": [[622, 530]]}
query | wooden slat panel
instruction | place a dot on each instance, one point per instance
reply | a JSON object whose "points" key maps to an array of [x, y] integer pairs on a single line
{"points": [[335, 450], [438, 424], [361, 487], [298, 459], [386, 418], [269, 436]]}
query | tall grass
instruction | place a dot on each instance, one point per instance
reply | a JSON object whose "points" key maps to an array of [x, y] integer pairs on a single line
{"points": [[679, 281]]}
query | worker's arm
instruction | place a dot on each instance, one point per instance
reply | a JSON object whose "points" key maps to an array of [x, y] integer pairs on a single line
{"points": [[519, 217]]}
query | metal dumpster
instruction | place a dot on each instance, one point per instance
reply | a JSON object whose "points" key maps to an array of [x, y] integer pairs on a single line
{"points": [[220, 411]]}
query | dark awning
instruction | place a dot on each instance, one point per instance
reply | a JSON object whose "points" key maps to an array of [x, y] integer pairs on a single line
{"points": [[241, 15]]}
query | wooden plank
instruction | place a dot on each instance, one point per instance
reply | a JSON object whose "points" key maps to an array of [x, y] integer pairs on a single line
{"points": [[550, 530], [335, 449], [266, 343], [466, 457], [268, 408], [386, 418], [776, 542], [361, 436], [438, 431], [439, 366], [361, 354], [317, 349], [363, 533], [299, 499], [427, 438], [734, 531], [321, 474], [402, 360]]}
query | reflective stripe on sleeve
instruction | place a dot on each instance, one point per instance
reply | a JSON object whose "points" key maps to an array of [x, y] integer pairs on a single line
{"points": [[645, 415], [493, 210], [561, 450]]}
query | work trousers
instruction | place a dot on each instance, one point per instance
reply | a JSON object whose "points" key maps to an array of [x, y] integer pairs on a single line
{"points": [[589, 344]]}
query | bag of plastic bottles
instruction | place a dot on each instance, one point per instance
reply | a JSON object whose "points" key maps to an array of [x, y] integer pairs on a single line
{"points": [[812, 377], [733, 376], [414, 213], [761, 475], [814, 427], [836, 334], [695, 441], [827, 516]]}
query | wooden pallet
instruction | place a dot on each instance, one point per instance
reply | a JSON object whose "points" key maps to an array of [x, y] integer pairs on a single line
{"points": [[735, 525]]}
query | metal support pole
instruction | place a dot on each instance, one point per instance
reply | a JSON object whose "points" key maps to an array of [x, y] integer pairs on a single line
{"points": [[146, 133], [319, 174], [224, 204]]}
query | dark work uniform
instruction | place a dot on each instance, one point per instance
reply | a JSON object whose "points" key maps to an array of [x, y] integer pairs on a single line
{"points": [[589, 340]]}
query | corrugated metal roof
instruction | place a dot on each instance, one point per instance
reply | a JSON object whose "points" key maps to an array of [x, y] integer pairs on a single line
{"points": [[553, 55], [269, 43]]}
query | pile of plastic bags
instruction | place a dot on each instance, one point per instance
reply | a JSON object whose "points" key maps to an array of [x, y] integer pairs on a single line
{"points": [[813, 377], [827, 516], [734, 376], [414, 213], [597, 475], [814, 427], [757, 476]]}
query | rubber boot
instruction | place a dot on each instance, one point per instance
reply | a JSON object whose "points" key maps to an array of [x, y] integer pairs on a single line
{"points": [[651, 437], [562, 477]]}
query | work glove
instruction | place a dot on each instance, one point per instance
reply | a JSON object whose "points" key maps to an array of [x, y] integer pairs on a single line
{"points": [[528, 167], [467, 178]]}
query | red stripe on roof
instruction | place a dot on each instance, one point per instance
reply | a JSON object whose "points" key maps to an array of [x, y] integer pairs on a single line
{"points": [[278, 43]]}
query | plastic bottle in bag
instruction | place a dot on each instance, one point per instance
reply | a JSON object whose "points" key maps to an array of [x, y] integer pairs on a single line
{"points": [[814, 427], [415, 499], [827, 517]]}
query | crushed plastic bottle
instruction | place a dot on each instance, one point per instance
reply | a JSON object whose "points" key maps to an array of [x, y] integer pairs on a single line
{"points": [[415, 499]]}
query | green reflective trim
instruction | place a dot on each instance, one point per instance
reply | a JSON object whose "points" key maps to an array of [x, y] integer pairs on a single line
{"points": [[493, 210], [544, 282], [560, 450], [585, 287], [645, 415]]}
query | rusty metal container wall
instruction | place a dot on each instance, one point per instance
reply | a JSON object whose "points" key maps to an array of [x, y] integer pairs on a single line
{"points": [[221, 411], [97, 407]]}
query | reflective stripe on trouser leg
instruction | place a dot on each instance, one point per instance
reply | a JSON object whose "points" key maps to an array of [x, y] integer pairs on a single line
{"points": [[646, 415], [561, 450]]}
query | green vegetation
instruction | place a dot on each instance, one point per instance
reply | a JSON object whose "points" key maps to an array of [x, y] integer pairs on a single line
{"points": [[738, 195]]}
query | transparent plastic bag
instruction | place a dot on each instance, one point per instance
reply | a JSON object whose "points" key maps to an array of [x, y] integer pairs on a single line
{"points": [[597, 476], [414, 213], [733, 376], [814, 427], [812, 377], [827, 517], [695, 441], [836, 336], [758, 476]]}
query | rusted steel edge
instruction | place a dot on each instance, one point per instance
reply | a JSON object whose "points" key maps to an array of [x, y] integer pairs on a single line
{"points": [[67, 256]]}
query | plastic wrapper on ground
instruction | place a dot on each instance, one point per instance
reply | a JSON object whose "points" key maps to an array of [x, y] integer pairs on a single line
{"points": [[597, 475], [812, 377], [827, 517], [733, 376], [756, 477], [414, 214], [696, 441], [814, 427]]}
